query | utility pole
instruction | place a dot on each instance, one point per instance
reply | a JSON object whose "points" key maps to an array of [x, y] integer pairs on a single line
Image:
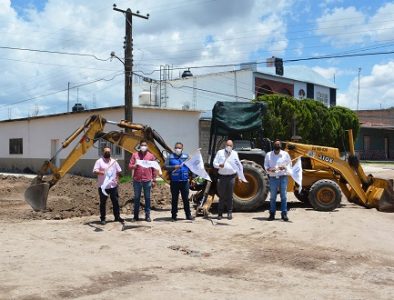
{"points": [[68, 96], [128, 70], [358, 88]]}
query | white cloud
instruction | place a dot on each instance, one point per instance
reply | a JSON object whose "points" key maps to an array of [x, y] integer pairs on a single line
{"points": [[376, 89], [328, 73], [342, 27], [176, 33]]}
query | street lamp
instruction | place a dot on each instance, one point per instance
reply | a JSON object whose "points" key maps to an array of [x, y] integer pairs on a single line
{"points": [[114, 55]]}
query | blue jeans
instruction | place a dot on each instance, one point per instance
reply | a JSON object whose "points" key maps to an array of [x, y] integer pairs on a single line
{"points": [[183, 188], [281, 184], [138, 186]]}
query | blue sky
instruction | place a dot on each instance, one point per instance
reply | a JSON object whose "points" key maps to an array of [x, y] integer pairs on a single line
{"points": [[187, 33]]}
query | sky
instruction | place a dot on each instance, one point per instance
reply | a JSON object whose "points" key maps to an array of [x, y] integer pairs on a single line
{"points": [[182, 34]]}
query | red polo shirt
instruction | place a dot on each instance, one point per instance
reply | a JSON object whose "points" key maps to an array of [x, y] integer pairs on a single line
{"points": [[140, 173]]}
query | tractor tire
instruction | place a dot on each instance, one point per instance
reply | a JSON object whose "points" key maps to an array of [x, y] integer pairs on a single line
{"points": [[303, 196], [250, 196], [325, 195]]}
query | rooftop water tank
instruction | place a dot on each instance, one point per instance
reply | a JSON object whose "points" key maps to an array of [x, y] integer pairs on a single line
{"points": [[78, 107], [187, 73], [147, 98]]}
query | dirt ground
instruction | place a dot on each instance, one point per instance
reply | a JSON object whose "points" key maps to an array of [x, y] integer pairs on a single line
{"points": [[65, 253]]}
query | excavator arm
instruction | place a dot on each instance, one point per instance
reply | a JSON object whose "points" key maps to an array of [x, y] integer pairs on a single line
{"points": [[91, 131]]}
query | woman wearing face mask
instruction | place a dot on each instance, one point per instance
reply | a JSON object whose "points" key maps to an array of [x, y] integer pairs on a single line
{"points": [[143, 178], [275, 164], [179, 174], [226, 180]]}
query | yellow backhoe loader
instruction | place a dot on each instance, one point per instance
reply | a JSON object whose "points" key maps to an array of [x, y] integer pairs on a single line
{"points": [[325, 175], [91, 131]]}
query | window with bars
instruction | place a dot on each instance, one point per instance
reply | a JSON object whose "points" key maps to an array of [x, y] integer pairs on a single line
{"points": [[116, 151], [16, 146]]}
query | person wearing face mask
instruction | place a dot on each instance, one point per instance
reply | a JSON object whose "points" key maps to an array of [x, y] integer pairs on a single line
{"points": [[275, 164], [179, 175], [101, 168], [143, 178], [226, 179]]}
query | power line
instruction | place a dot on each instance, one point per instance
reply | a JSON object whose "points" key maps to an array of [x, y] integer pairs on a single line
{"points": [[55, 65], [54, 52], [61, 91], [284, 60], [337, 56]]}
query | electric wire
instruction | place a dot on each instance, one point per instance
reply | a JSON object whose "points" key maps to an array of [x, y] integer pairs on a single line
{"points": [[55, 52]]}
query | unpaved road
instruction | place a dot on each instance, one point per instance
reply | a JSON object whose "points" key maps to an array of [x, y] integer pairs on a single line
{"points": [[345, 254]]}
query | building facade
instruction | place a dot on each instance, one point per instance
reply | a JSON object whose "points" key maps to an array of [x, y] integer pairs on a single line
{"points": [[375, 140], [202, 91], [28, 142]]}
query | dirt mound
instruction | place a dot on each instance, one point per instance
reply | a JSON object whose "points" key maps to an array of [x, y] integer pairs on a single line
{"points": [[72, 196]]}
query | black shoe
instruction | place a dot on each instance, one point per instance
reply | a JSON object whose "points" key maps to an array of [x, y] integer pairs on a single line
{"points": [[285, 218], [102, 222], [148, 219], [136, 218], [189, 217], [120, 220], [219, 217], [174, 219], [271, 217], [229, 216]]}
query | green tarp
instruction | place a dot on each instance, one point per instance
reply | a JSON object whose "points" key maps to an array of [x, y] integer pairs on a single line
{"points": [[236, 117]]}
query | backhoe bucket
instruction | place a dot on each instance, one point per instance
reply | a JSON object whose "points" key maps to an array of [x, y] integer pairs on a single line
{"points": [[36, 195]]}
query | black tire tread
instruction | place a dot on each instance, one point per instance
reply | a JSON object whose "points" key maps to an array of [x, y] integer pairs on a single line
{"points": [[319, 184], [258, 201]]}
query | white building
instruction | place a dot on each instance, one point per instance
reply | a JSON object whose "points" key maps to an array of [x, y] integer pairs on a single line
{"points": [[202, 91], [28, 142]]}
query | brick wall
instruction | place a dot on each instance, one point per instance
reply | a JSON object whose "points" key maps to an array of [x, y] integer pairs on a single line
{"points": [[276, 86], [381, 116], [205, 126]]}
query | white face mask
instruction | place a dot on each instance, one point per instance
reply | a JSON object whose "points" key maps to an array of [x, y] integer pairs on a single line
{"points": [[143, 148], [229, 148], [178, 151]]}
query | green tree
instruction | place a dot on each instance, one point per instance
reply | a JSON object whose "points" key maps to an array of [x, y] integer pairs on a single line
{"points": [[347, 119], [314, 122]]}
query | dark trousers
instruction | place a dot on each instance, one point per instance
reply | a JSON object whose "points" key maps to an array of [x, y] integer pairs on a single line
{"points": [[176, 188], [114, 195], [225, 187]]}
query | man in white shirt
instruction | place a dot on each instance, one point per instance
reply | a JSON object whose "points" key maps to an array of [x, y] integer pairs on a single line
{"points": [[226, 179], [275, 164]]}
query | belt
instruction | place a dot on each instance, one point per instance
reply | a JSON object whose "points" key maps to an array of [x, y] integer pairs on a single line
{"points": [[276, 176], [231, 175]]}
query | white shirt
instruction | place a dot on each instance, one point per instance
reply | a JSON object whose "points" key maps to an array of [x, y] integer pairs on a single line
{"points": [[103, 165], [223, 157], [272, 160]]}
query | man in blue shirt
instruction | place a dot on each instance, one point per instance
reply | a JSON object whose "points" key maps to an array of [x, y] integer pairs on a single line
{"points": [[179, 175]]}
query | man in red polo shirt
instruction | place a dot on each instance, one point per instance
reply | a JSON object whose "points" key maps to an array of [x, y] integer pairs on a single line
{"points": [[143, 178]]}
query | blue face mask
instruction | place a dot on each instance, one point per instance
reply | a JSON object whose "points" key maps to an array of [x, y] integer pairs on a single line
{"points": [[178, 151]]}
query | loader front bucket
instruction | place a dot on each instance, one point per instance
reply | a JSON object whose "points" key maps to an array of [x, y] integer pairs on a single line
{"points": [[36, 195], [386, 202], [381, 195]]}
